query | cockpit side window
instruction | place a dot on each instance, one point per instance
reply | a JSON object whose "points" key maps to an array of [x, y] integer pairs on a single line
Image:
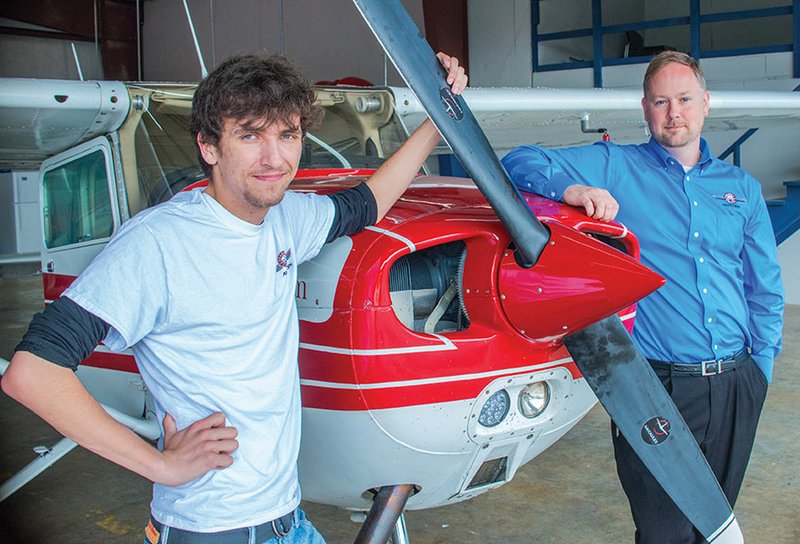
{"points": [[76, 202]]}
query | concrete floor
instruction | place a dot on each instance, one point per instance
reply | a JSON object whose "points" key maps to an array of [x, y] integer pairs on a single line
{"points": [[568, 494]]}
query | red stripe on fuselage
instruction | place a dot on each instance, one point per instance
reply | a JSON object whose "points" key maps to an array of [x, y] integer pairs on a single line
{"points": [[327, 398], [111, 361], [353, 399], [55, 284]]}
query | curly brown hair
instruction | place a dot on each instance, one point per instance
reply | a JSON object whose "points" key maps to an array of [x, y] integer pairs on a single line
{"points": [[250, 87]]}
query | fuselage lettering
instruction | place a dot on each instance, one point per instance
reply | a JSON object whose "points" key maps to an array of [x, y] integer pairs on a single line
{"points": [[302, 290]]}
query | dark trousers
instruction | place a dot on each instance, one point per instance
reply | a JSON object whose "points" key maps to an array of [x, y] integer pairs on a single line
{"points": [[722, 412]]}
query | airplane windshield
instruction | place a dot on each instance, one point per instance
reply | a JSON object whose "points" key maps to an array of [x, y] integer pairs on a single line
{"points": [[359, 130]]}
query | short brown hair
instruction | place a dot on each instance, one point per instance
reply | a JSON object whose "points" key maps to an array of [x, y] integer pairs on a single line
{"points": [[251, 87], [666, 57]]}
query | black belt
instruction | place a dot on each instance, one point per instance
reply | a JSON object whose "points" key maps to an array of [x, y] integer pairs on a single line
{"points": [[703, 368], [276, 528]]}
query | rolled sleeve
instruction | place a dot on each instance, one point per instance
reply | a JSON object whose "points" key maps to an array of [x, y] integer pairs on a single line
{"points": [[549, 172], [531, 170]]}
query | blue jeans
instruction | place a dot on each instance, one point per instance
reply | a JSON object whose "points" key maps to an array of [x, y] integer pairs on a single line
{"points": [[302, 533]]}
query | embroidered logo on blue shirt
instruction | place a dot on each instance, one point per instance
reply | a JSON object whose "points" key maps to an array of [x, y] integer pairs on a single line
{"points": [[730, 199], [284, 261]]}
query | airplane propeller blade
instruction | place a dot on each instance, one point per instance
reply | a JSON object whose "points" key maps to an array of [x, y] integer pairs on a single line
{"points": [[608, 359], [631, 393], [416, 62]]}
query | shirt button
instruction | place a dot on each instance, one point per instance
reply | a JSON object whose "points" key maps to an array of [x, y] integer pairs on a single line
{"points": [[705, 290], [553, 194], [695, 203], [688, 178], [696, 234], [716, 347], [702, 260], [710, 319]]}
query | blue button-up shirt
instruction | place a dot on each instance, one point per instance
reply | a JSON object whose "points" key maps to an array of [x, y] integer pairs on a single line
{"points": [[707, 231]]}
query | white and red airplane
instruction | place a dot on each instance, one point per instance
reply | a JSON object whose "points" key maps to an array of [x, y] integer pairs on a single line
{"points": [[412, 357], [428, 356]]}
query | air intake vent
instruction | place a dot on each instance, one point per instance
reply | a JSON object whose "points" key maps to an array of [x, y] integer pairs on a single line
{"points": [[490, 472], [613, 242]]}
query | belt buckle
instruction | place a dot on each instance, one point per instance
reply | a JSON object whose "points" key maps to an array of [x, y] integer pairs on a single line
{"points": [[713, 364], [278, 527]]}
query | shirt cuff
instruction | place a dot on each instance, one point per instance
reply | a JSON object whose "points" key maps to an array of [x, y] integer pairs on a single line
{"points": [[549, 187]]}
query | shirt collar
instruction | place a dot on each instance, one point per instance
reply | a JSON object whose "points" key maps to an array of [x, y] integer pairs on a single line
{"points": [[663, 156]]}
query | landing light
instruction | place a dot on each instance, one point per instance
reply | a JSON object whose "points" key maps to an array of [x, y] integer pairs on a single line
{"points": [[495, 409], [533, 399]]}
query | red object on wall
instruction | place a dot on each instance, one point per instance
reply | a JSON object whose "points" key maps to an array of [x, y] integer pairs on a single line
{"points": [[446, 28]]}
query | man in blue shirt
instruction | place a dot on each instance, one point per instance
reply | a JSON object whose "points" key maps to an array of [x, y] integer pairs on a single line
{"points": [[713, 331]]}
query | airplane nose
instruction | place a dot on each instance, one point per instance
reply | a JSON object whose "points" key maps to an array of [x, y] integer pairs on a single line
{"points": [[577, 281]]}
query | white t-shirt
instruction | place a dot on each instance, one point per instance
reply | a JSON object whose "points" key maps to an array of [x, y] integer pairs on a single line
{"points": [[206, 301]]}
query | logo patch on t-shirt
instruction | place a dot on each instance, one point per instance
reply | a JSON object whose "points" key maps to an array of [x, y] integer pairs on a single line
{"points": [[284, 261], [730, 199]]}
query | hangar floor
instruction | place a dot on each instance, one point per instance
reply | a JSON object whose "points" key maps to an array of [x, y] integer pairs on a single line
{"points": [[568, 494]]}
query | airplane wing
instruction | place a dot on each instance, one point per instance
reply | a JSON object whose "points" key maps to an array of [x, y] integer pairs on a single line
{"points": [[604, 352], [553, 117], [39, 120]]}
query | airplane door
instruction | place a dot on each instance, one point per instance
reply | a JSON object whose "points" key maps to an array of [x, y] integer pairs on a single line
{"points": [[79, 209], [80, 212]]}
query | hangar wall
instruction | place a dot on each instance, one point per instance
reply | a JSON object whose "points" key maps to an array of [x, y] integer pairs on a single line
{"points": [[27, 56], [723, 35], [510, 20], [329, 40], [499, 43]]}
